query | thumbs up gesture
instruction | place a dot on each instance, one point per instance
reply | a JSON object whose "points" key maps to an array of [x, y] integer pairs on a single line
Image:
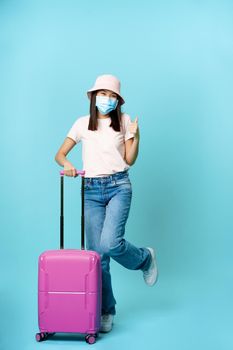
{"points": [[133, 128]]}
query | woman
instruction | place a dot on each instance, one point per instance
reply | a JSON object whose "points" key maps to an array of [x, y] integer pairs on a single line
{"points": [[109, 147]]}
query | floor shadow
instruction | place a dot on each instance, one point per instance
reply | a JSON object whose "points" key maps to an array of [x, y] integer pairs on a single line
{"points": [[72, 337]]}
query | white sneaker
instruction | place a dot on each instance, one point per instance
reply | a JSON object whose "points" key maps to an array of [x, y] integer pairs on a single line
{"points": [[106, 323], [151, 274]]}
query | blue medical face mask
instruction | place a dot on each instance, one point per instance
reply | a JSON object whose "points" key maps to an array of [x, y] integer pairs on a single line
{"points": [[106, 104]]}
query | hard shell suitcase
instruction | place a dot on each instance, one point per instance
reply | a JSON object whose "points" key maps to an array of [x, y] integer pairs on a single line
{"points": [[69, 286]]}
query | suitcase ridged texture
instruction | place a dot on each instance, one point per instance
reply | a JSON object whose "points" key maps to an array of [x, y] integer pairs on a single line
{"points": [[69, 291]]}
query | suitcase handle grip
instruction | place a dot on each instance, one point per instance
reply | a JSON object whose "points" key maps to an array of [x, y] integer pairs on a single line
{"points": [[78, 172]]}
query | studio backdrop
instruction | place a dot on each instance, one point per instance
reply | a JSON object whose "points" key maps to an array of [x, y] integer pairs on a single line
{"points": [[174, 61]]}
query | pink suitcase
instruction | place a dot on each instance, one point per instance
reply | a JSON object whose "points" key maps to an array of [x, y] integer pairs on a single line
{"points": [[69, 286]]}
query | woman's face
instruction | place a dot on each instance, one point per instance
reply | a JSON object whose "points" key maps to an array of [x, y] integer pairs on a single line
{"points": [[107, 93]]}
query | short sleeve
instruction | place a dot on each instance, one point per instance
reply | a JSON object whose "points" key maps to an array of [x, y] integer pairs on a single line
{"points": [[126, 123], [75, 133]]}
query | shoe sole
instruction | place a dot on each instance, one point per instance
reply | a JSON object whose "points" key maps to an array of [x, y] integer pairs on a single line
{"points": [[107, 330], [152, 251]]}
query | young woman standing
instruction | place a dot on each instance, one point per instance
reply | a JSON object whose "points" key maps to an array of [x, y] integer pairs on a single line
{"points": [[110, 143]]}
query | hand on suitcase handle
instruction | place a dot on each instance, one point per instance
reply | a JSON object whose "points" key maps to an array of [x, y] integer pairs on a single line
{"points": [[78, 172]]}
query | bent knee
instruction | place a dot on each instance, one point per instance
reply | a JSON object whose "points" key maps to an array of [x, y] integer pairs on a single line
{"points": [[112, 248]]}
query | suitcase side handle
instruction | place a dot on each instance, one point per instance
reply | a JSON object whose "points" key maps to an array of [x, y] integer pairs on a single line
{"points": [[82, 173]]}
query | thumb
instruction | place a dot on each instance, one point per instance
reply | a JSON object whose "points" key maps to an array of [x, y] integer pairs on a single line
{"points": [[136, 120]]}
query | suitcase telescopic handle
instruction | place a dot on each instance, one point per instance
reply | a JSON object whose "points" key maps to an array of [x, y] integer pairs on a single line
{"points": [[81, 173]]}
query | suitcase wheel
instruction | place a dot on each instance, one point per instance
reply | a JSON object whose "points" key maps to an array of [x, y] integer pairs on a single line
{"points": [[90, 338], [43, 336], [40, 337]]}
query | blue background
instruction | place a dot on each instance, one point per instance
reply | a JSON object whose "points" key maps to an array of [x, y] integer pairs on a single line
{"points": [[174, 60]]}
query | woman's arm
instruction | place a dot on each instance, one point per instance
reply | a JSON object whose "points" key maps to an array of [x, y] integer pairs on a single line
{"points": [[131, 150], [132, 145], [61, 159]]}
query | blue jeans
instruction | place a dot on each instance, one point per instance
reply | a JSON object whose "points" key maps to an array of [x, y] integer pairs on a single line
{"points": [[107, 205]]}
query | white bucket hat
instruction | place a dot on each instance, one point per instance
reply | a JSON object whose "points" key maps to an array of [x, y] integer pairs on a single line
{"points": [[108, 82]]}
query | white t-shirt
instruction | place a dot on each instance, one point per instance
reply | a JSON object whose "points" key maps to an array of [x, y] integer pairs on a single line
{"points": [[103, 150]]}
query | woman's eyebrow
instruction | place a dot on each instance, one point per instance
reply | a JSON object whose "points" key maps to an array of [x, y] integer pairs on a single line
{"points": [[113, 93]]}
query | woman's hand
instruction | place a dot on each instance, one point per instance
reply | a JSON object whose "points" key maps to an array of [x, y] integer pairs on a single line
{"points": [[132, 144], [134, 129], [69, 169]]}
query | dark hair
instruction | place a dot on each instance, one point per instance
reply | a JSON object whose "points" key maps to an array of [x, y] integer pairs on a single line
{"points": [[115, 115]]}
